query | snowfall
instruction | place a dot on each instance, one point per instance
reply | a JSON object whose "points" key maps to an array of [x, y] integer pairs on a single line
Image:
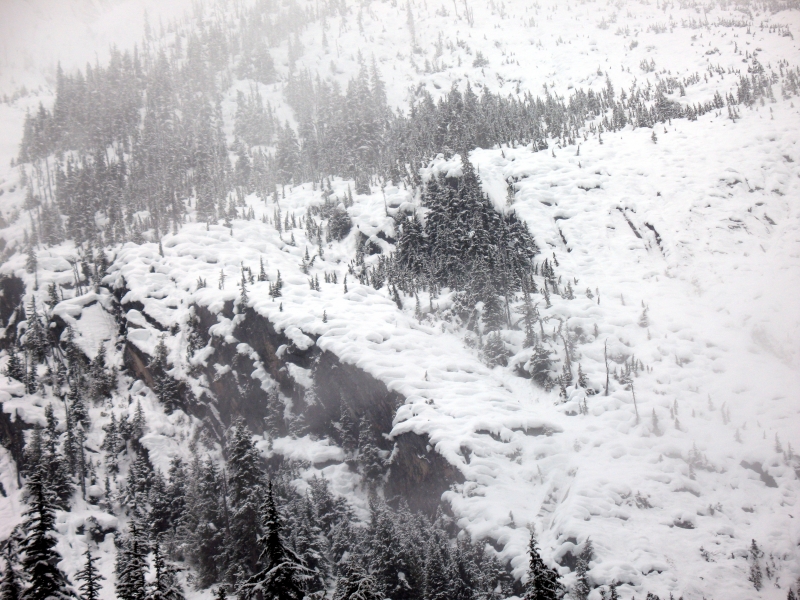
{"points": [[701, 229]]}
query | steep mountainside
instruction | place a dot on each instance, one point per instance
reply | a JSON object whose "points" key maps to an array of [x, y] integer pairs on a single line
{"points": [[506, 268]]}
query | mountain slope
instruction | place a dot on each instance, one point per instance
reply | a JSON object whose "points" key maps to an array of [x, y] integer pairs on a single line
{"points": [[685, 236]]}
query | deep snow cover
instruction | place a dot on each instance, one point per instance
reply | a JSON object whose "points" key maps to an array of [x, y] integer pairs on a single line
{"points": [[700, 229]]}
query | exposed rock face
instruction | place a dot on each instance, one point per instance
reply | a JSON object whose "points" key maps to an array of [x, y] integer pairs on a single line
{"points": [[333, 393], [12, 436], [11, 291]]}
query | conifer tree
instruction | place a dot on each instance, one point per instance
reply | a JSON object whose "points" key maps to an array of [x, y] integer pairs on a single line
{"points": [[31, 263], [165, 585], [385, 552], [368, 455], [543, 581], [35, 336], [244, 485], [493, 315], [11, 586], [137, 424], [58, 476], [203, 525], [77, 407], [281, 575], [274, 422], [310, 545], [166, 387], [583, 587], [46, 581], [131, 566], [101, 380], [244, 297], [541, 366], [529, 315], [755, 577], [14, 367], [494, 351], [438, 575], [112, 444], [90, 578], [355, 582]]}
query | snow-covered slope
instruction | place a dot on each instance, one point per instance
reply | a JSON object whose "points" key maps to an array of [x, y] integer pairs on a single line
{"points": [[698, 224]]}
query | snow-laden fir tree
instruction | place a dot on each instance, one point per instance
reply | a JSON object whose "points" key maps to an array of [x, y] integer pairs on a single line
{"points": [[45, 580], [165, 585], [131, 565], [166, 388], [90, 578], [11, 585], [438, 573], [245, 490], [583, 585], [280, 575], [355, 582], [543, 583]]}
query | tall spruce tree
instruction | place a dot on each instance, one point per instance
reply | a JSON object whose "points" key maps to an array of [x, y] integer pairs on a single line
{"points": [[439, 578], [543, 581], [131, 565], [165, 585], [90, 578], [11, 586], [58, 476], [281, 575], [46, 581], [245, 489], [583, 585], [355, 582]]}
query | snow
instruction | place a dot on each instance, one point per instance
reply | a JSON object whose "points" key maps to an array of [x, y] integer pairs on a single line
{"points": [[720, 281]]}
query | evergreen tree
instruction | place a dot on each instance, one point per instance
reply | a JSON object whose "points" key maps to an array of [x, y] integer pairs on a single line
{"points": [[529, 315], [204, 523], [583, 586], [112, 443], [11, 586], [386, 553], [543, 581], [541, 366], [101, 380], [36, 340], [493, 314], [281, 574], [244, 485], [438, 575], [77, 406], [309, 543], [165, 585], [40, 562], [14, 367], [494, 351], [58, 473], [131, 566], [158, 498], [90, 578], [177, 491], [368, 455], [355, 583], [166, 388], [754, 558]]}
